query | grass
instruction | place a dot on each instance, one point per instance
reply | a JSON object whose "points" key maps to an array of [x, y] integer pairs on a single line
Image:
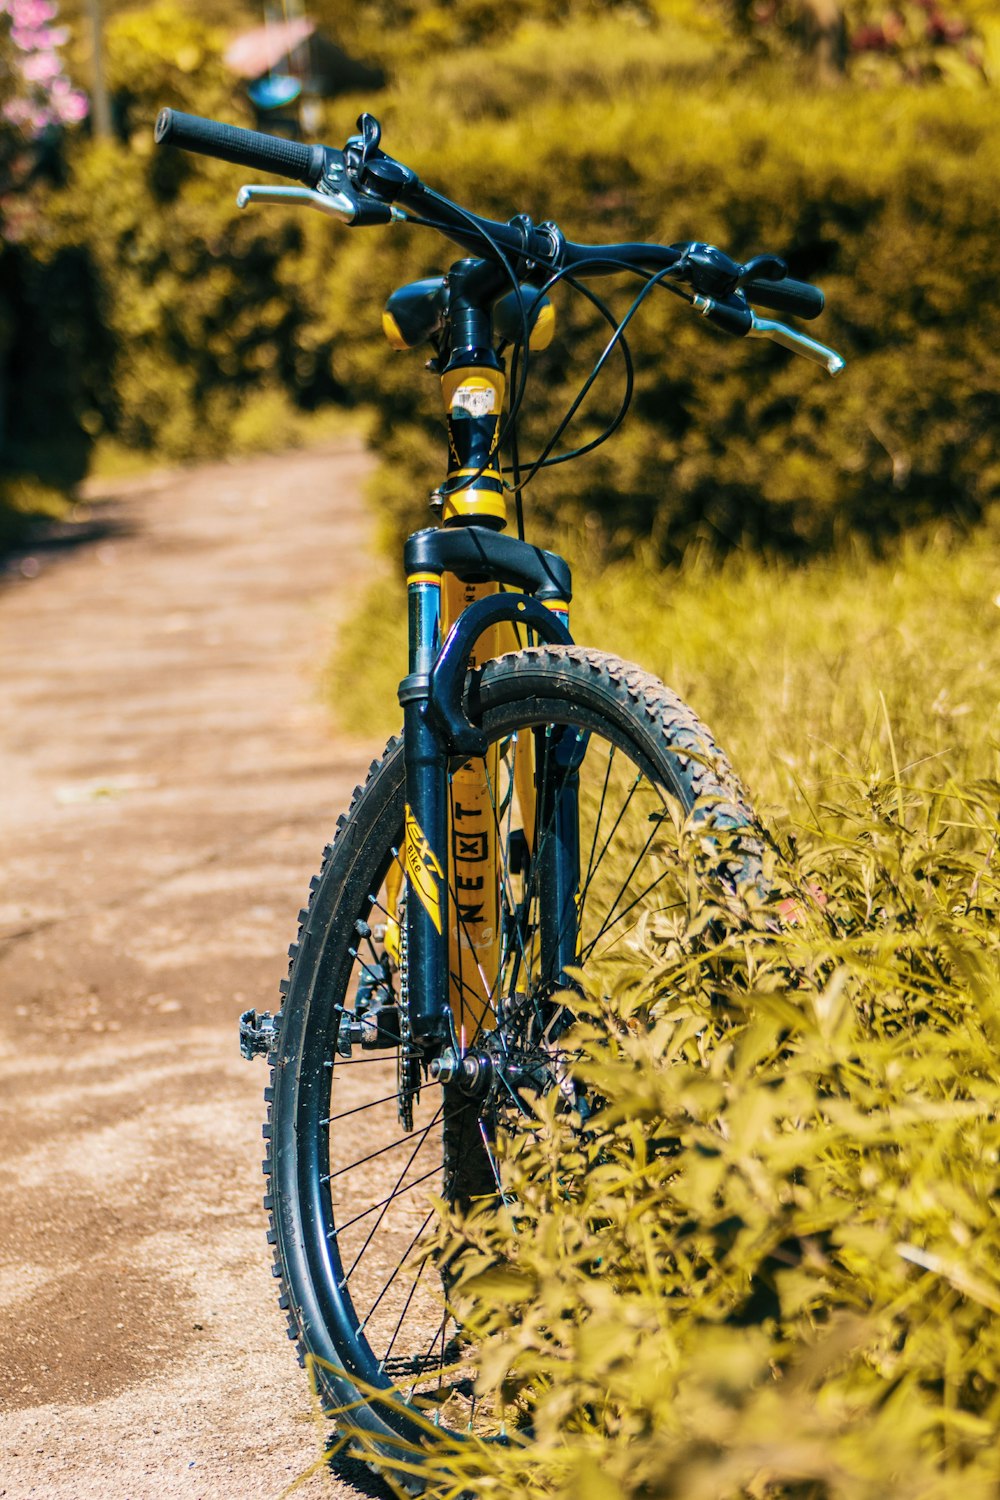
{"points": [[767, 1267], [269, 422], [799, 671]]}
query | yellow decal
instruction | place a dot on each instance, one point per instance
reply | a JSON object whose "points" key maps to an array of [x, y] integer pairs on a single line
{"points": [[424, 868], [473, 379], [393, 890]]}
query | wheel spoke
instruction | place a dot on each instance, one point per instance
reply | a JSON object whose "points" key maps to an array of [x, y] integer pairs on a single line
{"points": [[623, 888], [399, 1266], [411, 1294], [600, 815], [396, 1190], [334, 1234], [371, 1104], [393, 1146], [607, 843]]}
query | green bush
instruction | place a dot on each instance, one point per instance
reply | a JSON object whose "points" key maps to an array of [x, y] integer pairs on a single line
{"points": [[620, 130], [139, 305], [207, 306], [156, 311], [770, 1267], [404, 32]]}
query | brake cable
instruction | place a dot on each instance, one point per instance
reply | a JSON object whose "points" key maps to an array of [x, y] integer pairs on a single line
{"points": [[546, 458], [521, 354]]}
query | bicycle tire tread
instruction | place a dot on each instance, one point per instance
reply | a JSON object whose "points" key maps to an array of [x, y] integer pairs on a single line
{"points": [[284, 1298]]}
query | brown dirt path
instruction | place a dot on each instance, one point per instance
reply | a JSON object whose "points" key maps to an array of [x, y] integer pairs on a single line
{"points": [[167, 782]]}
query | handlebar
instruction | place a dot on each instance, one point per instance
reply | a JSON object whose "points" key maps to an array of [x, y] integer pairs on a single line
{"points": [[245, 148], [362, 185]]}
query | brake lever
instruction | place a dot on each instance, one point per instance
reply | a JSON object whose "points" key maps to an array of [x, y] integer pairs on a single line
{"points": [[798, 343], [334, 205]]}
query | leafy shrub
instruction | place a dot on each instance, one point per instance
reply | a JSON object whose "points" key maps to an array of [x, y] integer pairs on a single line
{"points": [[917, 41], [172, 310], [405, 31], [771, 1266], [637, 122], [883, 196], [140, 304], [37, 100], [768, 1265]]}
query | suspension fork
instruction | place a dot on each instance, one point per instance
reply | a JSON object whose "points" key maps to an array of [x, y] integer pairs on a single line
{"points": [[559, 753], [447, 764], [451, 855], [473, 850]]}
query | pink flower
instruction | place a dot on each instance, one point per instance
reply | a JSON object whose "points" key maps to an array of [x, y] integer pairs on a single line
{"points": [[47, 97], [41, 67], [73, 107], [39, 39], [31, 12], [30, 118]]}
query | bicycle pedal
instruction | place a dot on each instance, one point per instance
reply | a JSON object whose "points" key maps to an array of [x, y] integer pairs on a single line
{"points": [[257, 1033]]}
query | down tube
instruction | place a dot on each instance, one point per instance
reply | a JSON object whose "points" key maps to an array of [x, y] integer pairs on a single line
{"points": [[473, 864]]}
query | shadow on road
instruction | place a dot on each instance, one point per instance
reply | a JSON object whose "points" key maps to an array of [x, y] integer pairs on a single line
{"points": [[55, 539]]}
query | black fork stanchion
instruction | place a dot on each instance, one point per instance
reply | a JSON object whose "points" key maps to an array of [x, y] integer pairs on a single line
{"points": [[558, 756], [425, 849]]}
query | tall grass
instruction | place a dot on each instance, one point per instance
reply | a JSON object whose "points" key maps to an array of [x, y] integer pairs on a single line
{"points": [[798, 670], [769, 1263]]}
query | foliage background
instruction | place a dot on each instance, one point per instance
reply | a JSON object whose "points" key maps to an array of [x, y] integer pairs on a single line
{"points": [[146, 313]]}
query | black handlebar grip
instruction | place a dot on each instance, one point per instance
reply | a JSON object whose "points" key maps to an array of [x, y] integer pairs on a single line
{"points": [[247, 148], [799, 298]]}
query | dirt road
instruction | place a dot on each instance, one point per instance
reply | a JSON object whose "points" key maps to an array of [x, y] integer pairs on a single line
{"points": [[167, 782]]}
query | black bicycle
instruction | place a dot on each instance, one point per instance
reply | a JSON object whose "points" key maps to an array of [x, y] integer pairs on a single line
{"points": [[532, 830]]}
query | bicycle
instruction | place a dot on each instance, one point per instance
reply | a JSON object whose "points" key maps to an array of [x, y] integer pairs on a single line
{"points": [[527, 829]]}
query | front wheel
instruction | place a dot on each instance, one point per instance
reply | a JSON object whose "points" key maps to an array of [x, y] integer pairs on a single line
{"points": [[362, 1138]]}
